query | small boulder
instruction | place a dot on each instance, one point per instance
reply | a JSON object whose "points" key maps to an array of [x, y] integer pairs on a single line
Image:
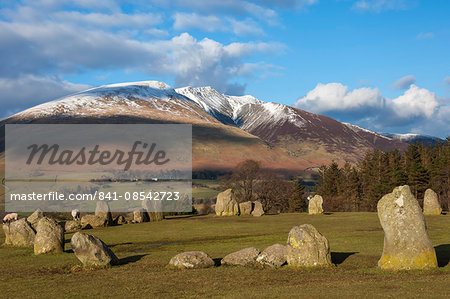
{"points": [[72, 226], [315, 205], [34, 218], [307, 247], [406, 241], [91, 251], [156, 216], [191, 260], [102, 210], [49, 237], [140, 215], [244, 257], [91, 221], [120, 220], [246, 208], [226, 205], [257, 209], [273, 256], [431, 205], [19, 233]]}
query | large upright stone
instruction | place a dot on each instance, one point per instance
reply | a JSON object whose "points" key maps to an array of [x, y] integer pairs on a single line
{"points": [[246, 208], [102, 210], [140, 215], [315, 205], [431, 205], [307, 247], [19, 233], [34, 218], [257, 209], [49, 237], [91, 251], [226, 205], [406, 241]]}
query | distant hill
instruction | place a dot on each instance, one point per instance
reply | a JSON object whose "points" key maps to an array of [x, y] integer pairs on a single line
{"points": [[414, 138]]}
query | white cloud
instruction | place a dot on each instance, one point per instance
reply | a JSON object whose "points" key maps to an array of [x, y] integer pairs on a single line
{"points": [[381, 5], [416, 108], [246, 27], [335, 97], [186, 21], [415, 102], [404, 82], [425, 35], [109, 20]]}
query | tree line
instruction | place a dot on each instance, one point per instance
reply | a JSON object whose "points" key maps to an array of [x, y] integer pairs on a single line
{"points": [[250, 182], [359, 187]]}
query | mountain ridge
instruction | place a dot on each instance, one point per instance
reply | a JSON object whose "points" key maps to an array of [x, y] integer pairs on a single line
{"points": [[284, 136]]}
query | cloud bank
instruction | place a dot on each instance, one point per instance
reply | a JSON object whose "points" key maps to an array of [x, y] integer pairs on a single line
{"points": [[416, 110], [48, 40]]}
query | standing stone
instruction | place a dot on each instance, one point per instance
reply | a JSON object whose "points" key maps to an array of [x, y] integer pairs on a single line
{"points": [[191, 260], [307, 247], [431, 205], [91, 221], [34, 218], [19, 233], [153, 209], [102, 210], [406, 241], [246, 208], [140, 216], [258, 209], [244, 257], [120, 220], [72, 225], [273, 256], [315, 205], [91, 251], [49, 237], [226, 205]]}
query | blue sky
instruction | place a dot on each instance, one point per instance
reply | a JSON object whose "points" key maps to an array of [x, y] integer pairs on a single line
{"points": [[384, 65]]}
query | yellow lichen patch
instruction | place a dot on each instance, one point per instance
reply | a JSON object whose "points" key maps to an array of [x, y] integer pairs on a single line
{"points": [[424, 260]]}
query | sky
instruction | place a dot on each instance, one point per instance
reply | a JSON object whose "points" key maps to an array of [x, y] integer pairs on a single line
{"points": [[380, 64]]}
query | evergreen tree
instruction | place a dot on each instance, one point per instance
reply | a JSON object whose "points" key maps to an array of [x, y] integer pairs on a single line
{"points": [[297, 199]]}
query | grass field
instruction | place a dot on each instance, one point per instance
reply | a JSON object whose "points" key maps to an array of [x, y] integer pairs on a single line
{"points": [[356, 241]]}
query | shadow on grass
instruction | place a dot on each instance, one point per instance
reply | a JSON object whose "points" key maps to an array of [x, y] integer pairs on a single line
{"points": [[118, 244], [338, 258], [131, 259], [328, 213], [217, 262], [443, 254]]}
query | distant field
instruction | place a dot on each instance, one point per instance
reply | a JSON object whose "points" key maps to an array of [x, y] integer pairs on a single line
{"points": [[204, 189], [356, 241]]}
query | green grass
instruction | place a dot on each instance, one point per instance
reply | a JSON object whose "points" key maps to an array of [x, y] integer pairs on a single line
{"points": [[356, 242]]}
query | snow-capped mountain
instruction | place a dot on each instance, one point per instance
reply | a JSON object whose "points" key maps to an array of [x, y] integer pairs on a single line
{"points": [[226, 129], [414, 138]]}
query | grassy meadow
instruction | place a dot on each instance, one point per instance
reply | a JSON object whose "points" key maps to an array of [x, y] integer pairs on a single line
{"points": [[356, 241]]}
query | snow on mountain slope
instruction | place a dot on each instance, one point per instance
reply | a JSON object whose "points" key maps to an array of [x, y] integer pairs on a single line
{"points": [[211, 101], [414, 138], [134, 98]]}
